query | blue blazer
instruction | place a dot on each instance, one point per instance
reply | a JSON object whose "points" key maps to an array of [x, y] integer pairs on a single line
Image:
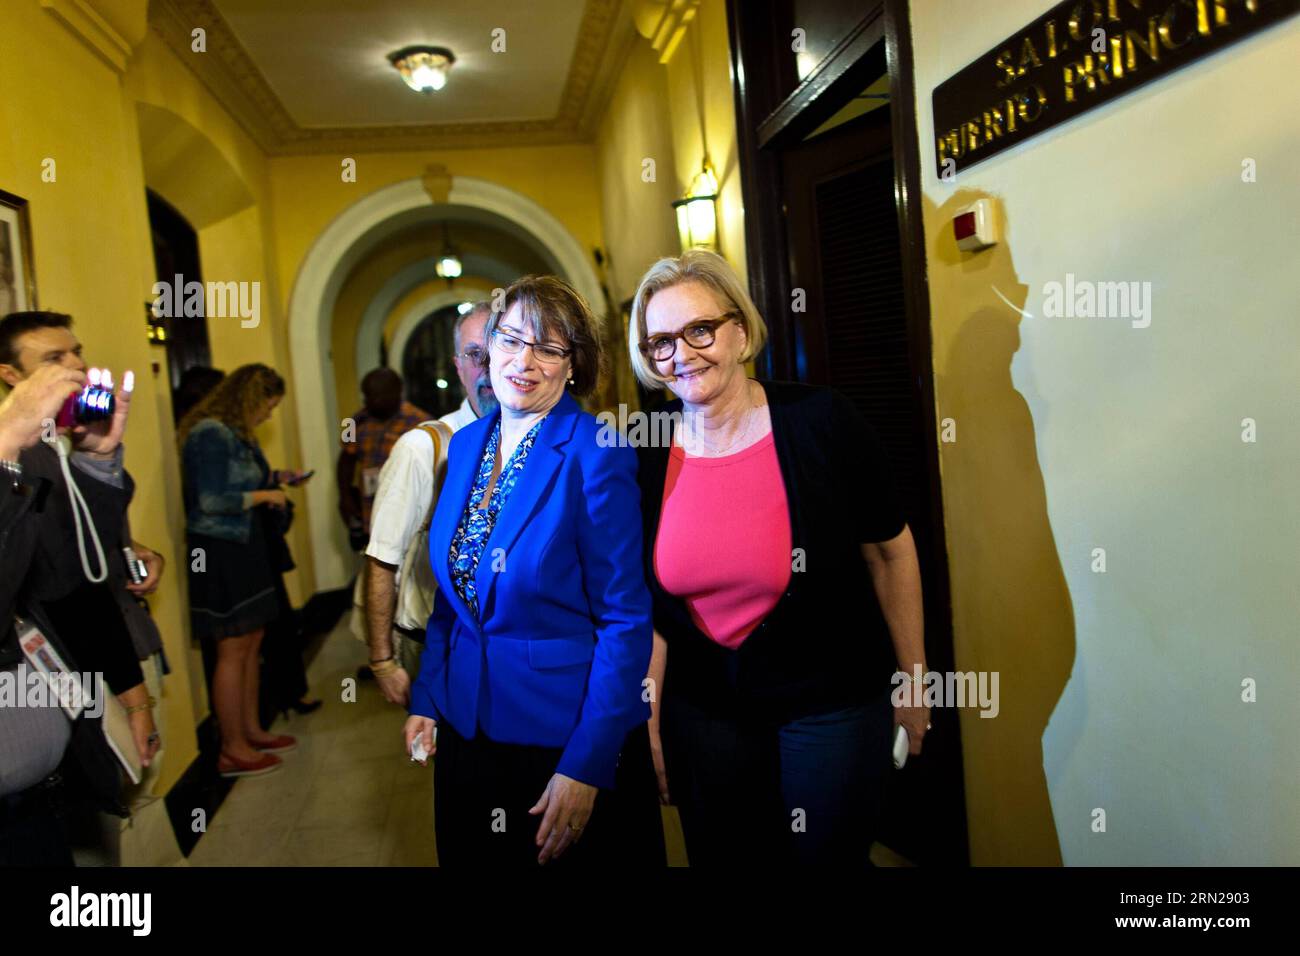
{"points": [[566, 636]]}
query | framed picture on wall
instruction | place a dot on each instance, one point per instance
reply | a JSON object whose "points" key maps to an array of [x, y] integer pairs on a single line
{"points": [[17, 278]]}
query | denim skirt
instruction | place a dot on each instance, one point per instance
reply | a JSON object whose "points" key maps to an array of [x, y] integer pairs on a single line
{"points": [[232, 585]]}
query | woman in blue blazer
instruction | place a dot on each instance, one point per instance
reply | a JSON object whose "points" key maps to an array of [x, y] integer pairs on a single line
{"points": [[540, 638]]}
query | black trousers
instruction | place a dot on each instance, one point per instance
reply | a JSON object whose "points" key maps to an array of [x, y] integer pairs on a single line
{"points": [[483, 789], [34, 828], [752, 793], [284, 672]]}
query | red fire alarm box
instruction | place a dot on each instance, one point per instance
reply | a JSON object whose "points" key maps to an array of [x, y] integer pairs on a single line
{"points": [[976, 226]]}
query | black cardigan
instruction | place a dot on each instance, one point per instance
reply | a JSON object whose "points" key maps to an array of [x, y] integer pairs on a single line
{"points": [[825, 645]]}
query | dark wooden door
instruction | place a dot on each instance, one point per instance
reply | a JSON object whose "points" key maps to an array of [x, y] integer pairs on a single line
{"points": [[845, 254], [176, 253]]}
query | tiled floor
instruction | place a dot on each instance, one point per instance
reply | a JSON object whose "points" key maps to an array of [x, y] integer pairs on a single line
{"points": [[346, 797]]}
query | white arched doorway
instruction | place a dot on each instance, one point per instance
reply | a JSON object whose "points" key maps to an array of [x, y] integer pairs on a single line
{"points": [[419, 310], [374, 319], [344, 242]]}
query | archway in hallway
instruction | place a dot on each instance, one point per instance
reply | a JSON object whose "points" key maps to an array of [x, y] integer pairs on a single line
{"points": [[485, 272], [420, 310], [427, 362], [328, 262]]}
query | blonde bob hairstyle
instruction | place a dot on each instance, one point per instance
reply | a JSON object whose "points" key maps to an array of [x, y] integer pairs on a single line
{"points": [[714, 273]]}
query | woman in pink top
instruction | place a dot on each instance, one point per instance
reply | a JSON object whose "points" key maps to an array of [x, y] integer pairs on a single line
{"points": [[786, 588]]}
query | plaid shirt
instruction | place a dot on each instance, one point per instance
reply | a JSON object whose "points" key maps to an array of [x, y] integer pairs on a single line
{"points": [[374, 441]]}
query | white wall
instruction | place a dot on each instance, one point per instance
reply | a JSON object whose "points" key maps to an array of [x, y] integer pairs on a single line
{"points": [[1138, 434]]}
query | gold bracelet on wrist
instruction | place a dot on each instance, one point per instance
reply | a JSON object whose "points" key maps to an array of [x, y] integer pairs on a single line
{"points": [[384, 668]]}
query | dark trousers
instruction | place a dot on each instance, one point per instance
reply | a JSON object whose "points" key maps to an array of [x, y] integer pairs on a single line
{"points": [[33, 829], [483, 789], [804, 793], [284, 673]]}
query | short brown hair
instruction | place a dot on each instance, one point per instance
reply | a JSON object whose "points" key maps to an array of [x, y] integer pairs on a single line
{"points": [[17, 324], [551, 307]]}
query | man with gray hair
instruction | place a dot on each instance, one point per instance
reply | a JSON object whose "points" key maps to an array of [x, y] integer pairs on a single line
{"points": [[404, 502]]}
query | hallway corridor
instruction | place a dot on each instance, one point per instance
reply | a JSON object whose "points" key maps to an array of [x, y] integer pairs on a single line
{"points": [[861, 429], [345, 797]]}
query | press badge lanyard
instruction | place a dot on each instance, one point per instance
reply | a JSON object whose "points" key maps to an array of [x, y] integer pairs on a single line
{"points": [[46, 660]]}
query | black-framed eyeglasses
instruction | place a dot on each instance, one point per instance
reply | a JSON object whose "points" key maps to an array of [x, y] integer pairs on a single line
{"points": [[698, 334], [513, 345]]}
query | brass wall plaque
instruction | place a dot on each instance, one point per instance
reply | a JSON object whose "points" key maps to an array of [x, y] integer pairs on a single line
{"points": [[1078, 55]]}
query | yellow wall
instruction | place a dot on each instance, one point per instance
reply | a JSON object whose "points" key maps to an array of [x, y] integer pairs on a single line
{"points": [[704, 121], [638, 218], [234, 248], [1122, 691], [671, 113]]}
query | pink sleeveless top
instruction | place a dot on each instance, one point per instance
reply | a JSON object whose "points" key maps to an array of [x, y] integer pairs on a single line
{"points": [[724, 539]]}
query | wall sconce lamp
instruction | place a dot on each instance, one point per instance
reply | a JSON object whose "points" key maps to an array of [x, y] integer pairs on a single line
{"points": [[155, 326], [697, 212]]}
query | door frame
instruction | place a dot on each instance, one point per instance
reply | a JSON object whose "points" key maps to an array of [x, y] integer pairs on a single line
{"points": [[881, 42]]}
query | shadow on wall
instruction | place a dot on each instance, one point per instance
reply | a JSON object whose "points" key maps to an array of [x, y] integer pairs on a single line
{"points": [[1012, 611]]}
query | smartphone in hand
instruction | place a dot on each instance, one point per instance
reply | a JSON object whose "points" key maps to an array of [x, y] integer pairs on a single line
{"points": [[901, 746]]}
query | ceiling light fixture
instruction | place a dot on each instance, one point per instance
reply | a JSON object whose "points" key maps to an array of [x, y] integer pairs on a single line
{"points": [[448, 265], [424, 68]]}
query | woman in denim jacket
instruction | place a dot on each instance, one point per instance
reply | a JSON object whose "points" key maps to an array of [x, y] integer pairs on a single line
{"points": [[234, 587]]}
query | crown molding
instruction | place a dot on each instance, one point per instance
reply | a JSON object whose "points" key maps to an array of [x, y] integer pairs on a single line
{"points": [[618, 47], [233, 78], [112, 30]]}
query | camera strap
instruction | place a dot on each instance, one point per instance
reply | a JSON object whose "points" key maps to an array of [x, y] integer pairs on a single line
{"points": [[79, 508]]}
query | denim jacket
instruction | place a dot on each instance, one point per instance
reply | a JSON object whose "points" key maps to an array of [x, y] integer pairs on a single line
{"points": [[221, 473]]}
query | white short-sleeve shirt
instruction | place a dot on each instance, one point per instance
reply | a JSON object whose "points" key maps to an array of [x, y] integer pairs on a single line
{"points": [[405, 492]]}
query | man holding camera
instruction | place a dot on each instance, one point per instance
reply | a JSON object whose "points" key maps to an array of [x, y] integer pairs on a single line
{"points": [[79, 572], [53, 767]]}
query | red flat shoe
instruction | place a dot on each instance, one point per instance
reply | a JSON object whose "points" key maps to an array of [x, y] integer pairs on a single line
{"points": [[229, 766], [281, 744]]}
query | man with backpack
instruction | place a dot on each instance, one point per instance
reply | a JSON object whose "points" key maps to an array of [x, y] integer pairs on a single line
{"points": [[399, 584]]}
